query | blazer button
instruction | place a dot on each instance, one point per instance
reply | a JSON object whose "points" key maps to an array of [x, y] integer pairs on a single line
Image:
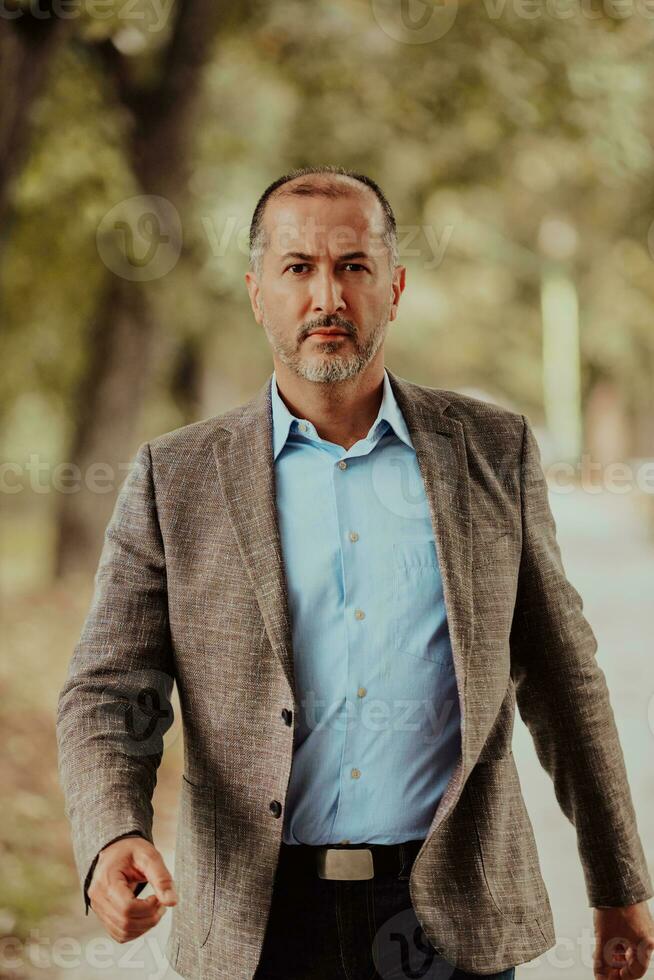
{"points": [[275, 808], [287, 715]]}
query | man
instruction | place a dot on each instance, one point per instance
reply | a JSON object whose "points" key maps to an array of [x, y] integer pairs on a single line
{"points": [[351, 579]]}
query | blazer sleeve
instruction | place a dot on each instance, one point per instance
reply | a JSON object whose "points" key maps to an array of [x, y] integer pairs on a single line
{"points": [[562, 697], [114, 707]]}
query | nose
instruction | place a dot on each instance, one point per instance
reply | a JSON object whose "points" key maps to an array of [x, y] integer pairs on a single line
{"points": [[327, 298]]}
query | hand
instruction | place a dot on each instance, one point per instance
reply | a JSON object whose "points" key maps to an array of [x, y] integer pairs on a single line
{"points": [[624, 941], [121, 866]]}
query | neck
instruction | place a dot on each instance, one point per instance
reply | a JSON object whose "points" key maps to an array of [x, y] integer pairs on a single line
{"points": [[342, 412]]}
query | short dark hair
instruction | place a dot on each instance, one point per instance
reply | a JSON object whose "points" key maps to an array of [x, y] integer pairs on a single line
{"points": [[258, 237]]}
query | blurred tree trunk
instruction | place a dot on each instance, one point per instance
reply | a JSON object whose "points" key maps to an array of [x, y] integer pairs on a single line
{"points": [[121, 338], [28, 44], [185, 382], [109, 396]]}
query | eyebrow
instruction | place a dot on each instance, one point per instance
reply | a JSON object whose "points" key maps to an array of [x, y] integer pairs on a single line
{"points": [[310, 258]]}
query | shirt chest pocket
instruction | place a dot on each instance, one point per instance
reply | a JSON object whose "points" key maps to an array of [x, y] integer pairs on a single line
{"points": [[419, 620]]}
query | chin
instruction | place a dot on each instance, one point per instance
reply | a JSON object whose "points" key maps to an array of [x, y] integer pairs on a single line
{"points": [[329, 371]]}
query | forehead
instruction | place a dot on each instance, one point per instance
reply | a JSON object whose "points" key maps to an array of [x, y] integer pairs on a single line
{"points": [[318, 224]]}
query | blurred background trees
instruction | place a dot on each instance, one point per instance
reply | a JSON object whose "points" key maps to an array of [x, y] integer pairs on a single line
{"points": [[516, 151]]}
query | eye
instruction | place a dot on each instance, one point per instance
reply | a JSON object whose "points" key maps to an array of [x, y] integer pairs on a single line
{"points": [[298, 265], [357, 265]]}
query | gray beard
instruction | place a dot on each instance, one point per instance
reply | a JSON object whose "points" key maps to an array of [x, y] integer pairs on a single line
{"points": [[330, 364]]}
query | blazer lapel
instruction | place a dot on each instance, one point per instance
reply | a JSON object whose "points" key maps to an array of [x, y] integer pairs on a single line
{"points": [[440, 449], [244, 459], [439, 442]]}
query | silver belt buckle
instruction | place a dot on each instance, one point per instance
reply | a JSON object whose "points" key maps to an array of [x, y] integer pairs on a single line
{"points": [[347, 864]]}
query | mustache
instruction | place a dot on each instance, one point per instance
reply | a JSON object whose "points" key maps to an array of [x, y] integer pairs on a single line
{"points": [[330, 321]]}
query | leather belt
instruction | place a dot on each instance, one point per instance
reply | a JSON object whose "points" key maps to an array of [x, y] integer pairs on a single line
{"points": [[356, 862]]}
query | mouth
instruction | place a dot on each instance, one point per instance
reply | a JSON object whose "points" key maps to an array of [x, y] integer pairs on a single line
{"points": [[328, 332]]}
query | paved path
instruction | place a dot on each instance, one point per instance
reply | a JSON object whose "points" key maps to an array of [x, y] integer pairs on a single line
{"points": [[609, 561]]}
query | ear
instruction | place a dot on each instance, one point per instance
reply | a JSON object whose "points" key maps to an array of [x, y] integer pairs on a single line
{"points": [[253, 290], [397, 288]]}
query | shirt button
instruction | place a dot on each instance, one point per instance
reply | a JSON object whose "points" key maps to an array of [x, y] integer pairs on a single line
{"points": [[344, 841], [354, 536], [359, 613], [355, 773], [342, 464], [287, 715], [362, 692], [275, 808], [302, 427]]}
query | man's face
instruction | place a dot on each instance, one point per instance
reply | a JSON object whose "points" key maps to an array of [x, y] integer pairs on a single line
{"points": [[325, 266]]}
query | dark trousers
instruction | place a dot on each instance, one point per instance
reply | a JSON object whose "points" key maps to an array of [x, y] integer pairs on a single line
{"points": [[326, 929]]}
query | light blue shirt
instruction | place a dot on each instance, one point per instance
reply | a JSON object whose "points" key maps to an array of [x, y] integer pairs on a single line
{"points": [[377, 732]]}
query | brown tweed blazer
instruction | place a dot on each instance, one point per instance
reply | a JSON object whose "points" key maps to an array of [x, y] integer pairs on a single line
{"points": [[190, 589]]}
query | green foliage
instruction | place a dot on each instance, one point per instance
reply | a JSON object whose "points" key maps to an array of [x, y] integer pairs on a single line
{"points": [[480, 136], [50, 276]]}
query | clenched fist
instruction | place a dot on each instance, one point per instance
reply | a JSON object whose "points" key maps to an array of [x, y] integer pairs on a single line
{"points": [[120, 867]]}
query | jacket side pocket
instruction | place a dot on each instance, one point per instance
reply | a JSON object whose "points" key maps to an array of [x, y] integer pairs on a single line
{"points": [[195, 861]]}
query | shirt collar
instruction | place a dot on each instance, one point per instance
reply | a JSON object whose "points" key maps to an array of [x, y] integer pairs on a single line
{"points": [[389, 411]]}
